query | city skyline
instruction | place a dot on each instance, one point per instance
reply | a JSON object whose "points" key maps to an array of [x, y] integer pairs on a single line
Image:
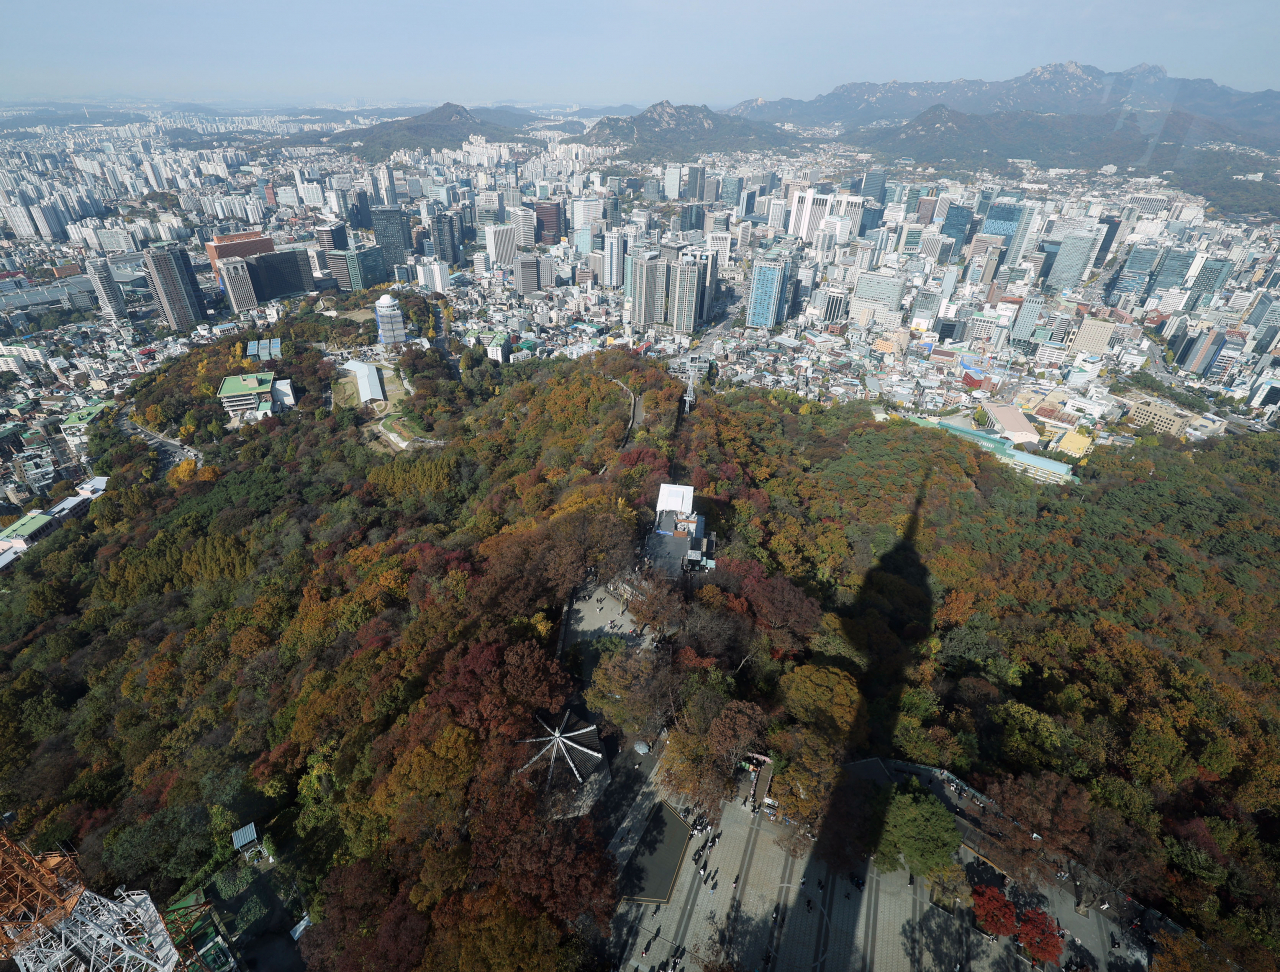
{"points": [[160, 57]]}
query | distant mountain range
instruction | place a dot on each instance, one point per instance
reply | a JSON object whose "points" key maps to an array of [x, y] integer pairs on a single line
{"points": [[1170, 144], [667, 131], [1070, 88], [448, 126]]}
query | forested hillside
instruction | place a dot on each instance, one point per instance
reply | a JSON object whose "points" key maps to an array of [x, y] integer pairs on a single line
{"points": [[347, 646]]}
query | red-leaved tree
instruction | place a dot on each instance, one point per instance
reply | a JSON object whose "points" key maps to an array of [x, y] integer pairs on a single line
{"points": [[993, 910], [1038, 934]]}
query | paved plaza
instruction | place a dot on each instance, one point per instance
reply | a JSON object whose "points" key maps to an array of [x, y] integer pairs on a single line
{"points": [[790, 914]]}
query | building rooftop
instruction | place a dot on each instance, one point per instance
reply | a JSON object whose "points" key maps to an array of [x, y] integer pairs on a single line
{"points": [[246, 384], [26, 526]]}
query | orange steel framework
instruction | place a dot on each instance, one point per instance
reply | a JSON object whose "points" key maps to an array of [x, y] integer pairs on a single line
{"points": [[36, 893]]}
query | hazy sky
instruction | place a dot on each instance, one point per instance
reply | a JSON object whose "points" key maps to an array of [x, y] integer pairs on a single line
{"points": [[285, 52]]}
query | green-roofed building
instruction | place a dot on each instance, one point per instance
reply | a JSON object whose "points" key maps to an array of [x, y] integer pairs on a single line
{"points": [[244, 396], [22, 533]]}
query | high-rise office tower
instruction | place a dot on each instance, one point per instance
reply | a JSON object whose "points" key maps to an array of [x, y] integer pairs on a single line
{"points": [[173, 284], [696, 183], [357, 269], [390, 320], [615, 249], [1074, 257], [237, 284], [526, 273], [549, 217], [237, 245], [387, 186], [873, 184], [447, 246], [1025, 324], [956, 225], [1173, 269], [358, 209], [730, 190], [110, 296], [1209, 279], [500, 242], [392, 231], [769, 280], [331, 236], [282, 273], [526, 224], [671, 183]]}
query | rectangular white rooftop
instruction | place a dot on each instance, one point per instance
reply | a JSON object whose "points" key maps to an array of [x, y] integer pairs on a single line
{"points": [[678, 498]]}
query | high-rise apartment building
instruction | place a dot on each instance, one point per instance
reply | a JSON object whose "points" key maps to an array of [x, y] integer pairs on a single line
{"points": [[110, 296], [615, 250], [649, 288], [173, 284], [683, 286], [237, 284]]}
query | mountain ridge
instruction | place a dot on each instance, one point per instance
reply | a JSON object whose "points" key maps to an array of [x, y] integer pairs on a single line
{"points": [[1066, 88], [664, 129]]}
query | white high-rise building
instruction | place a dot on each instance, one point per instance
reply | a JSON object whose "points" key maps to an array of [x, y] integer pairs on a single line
{"points": [[682, 301], [586, 212], [110, 296], [235, 278], [672, 183], [777, 213], [433, 275], [501, 242], [720, 244], [526, 223], [613, 272]]}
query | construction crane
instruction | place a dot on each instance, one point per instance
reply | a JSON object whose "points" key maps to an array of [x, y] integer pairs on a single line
{"points": [[50, 922]]}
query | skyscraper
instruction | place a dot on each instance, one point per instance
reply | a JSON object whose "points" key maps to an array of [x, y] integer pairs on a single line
{"points": [[873, 184], [110, 296], [1074, 257], [682, 301], [237, 284], [173, 284], [649, 288], [956, 224], [1025, 324], [526, 273], [730, 190], [447, 247], [765, 305], [500, 242], [671, 183], [281, 273], [237, 245], [526, 224], [331, 236], [549, 217], [696, 183], [615, 249], [390, 320], [392, 231]]}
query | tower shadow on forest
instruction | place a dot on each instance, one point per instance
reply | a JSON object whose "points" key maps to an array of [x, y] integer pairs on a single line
{"points": [[888, 622]]}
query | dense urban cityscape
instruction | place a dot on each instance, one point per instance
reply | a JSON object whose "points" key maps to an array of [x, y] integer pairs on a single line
{"points": [[549, 537]]}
